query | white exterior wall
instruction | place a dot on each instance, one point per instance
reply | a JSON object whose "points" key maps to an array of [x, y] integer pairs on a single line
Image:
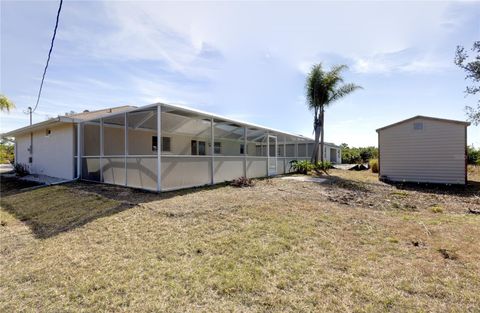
{"points": [[52, 155], [327, 153], [435, 154]]}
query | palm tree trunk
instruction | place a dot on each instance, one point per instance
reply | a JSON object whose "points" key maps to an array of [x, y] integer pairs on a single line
{"points": [[314, 159], [316, 128], [322, 143]]}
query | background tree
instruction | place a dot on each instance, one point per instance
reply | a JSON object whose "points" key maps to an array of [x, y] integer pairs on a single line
{"points": [[472, 68], [353, 155], [324, 88], [6, 104]]}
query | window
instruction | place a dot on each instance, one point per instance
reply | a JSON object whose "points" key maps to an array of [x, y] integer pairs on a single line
{"points": [[165, 144], [47, 132], [418, 126], [194, 147], [217, 147], [154, 143], [242, 148], [201, 148]]}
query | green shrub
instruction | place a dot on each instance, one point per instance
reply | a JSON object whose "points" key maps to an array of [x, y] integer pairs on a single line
{"points": [[302, 167], [323, 166], [374, 165], [21, 169], [473, 155]]}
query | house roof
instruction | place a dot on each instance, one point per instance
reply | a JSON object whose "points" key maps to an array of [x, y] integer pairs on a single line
{"points": [[70, 118], [93, 115], [427, 118]]}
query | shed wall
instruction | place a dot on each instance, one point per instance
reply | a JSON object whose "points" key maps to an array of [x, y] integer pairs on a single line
{"points": [[434, 154]]}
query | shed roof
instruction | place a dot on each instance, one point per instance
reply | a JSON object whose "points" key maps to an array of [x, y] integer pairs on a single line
{"points": [[428, 118]]}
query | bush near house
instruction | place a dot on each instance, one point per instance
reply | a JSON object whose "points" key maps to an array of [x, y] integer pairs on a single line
{"points": [[21, 169], [302, 167], [374, 165], [323, 166]]}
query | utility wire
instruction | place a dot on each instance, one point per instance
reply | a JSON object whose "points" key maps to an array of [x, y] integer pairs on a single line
{"points": [[48, 59]]}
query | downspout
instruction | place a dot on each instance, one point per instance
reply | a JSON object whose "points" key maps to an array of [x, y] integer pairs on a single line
{"points": [[79, 159]]}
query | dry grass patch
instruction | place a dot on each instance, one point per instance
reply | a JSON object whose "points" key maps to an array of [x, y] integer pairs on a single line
{"points": [[49, 211], [281, 246]]}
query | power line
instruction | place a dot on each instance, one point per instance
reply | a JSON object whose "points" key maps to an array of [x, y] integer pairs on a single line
{"points": [[48, 60]]}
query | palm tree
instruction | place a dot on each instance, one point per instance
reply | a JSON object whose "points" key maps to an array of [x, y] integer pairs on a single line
{"points": [[6, 104], [324, 88]]}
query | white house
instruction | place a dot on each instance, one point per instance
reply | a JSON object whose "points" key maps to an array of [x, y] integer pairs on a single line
{"points": [[425, 150], [158, 147]]}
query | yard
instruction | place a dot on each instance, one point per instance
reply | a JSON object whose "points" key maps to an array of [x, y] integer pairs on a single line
{"points": [[351, 244]]}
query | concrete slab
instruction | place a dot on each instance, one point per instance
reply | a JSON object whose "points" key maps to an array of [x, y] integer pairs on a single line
{"points": [[5, 168], [306, 178], [43, 179]]}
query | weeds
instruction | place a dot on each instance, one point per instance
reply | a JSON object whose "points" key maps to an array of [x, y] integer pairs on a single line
{"points": [[242, 182], [436, 209]]}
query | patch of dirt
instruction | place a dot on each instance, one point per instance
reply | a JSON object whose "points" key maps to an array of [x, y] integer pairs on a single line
{"points": [[346, 189], [448, 254]]}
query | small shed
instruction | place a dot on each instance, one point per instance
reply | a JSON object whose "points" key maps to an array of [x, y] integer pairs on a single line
{"points": [[424, 149]]}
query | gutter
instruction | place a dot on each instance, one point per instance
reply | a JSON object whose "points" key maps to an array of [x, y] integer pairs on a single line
{"points": [[31, 128]]}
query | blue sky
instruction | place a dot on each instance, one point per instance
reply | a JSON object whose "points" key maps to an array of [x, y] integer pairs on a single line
{"points": [[245, 60]]}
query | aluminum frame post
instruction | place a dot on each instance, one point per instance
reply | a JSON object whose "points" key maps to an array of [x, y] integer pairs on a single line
{"points": [[159, 148], [212, 152]]}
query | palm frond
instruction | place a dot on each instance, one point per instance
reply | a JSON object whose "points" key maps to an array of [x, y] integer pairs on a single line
{"points": [[6, 104], [314, 84], [324, 87], [343, 91]]}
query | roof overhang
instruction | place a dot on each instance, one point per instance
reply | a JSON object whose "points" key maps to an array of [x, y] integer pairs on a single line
{"points": [[168, 107], [173, 107], [31, 128], [466, 124]]}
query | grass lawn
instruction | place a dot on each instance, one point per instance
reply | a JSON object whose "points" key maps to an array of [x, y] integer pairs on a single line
{"points": [[351, 244]]}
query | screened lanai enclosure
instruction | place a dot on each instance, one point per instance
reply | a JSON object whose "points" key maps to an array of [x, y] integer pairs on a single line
{"points": [[165, 147]]}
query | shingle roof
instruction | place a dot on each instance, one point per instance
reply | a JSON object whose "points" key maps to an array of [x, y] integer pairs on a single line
{"points": [[71, 118], [90, 115]]}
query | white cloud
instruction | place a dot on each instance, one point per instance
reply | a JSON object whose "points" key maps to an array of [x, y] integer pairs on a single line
{"points": [[401, 61], [179, 34]]}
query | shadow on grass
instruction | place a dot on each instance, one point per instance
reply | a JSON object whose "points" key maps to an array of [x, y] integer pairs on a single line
{"points": [[51, 210], [11, 185], [471, 189], [347, 184]]}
